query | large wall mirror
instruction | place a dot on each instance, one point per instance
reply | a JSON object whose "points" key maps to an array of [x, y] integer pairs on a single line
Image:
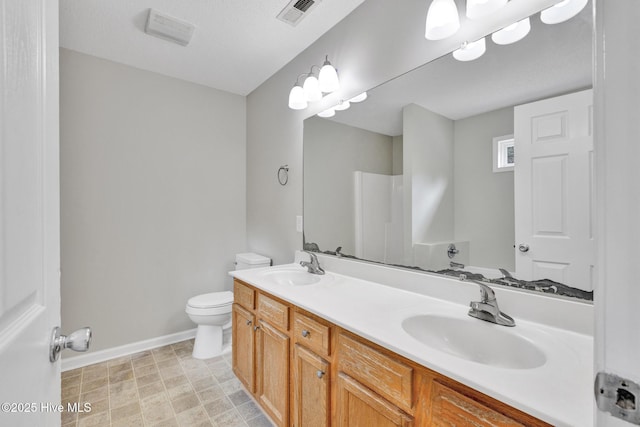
{"points": [[480, 167]]}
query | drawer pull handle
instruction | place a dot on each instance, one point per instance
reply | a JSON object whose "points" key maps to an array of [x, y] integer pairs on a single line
{"points": [[319, 374], [248, 322], [306, 333]]}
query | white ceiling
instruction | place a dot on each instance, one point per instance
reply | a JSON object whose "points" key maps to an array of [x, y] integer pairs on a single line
{"points": [[551, 60], [237, 44]]}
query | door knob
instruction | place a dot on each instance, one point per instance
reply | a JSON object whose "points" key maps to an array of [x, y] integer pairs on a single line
{"points": [[77, 341], [523, 247]]}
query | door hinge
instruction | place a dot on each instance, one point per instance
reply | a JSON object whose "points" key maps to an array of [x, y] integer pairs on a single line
{"points": [[618, 396]]}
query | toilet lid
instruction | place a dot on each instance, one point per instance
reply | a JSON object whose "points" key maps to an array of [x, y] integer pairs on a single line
{"points": [[214, 299]]}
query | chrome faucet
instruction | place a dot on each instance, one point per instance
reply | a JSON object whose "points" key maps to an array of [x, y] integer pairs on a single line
{"points": [[313, 266], [487, 308]]}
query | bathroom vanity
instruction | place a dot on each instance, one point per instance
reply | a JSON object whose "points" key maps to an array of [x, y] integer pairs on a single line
{"points": [[332, 350]]}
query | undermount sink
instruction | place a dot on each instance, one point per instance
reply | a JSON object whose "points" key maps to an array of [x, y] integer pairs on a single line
{"points": [[475, 340], [292, 277]]}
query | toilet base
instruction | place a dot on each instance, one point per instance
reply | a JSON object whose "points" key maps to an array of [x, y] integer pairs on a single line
{"points": [[208, 342]]}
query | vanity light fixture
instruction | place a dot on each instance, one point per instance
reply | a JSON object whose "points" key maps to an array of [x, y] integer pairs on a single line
{"points": [[513, 33], [343, 105], [311, 89], [314, 88], [562, 11], [328, 77], [481, 8], [442, 20], [330, 112], [297, 100], [470, 51], [359, 98]]}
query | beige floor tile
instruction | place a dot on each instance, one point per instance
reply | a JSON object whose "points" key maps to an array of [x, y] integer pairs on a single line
{"points": [[193, 417], [71, 373], [71, 381], [94, 374], [171, 371], [68, 417], [166, 363], [148, 379], [229, 419], [204, 383], [161, 411], [124, 396], [181, 391], [175, 381], [92, 385], [118, 361], [185, 403], [97, 407], [95, 395], [121, 376], [72, 392], [132, 421], [171, 422], [125, 411], [217, 407], [143, 361], [209, 394], [97, 420], [151, 389], [114, 369], [154, 400], [141, 355], [141, 371]]}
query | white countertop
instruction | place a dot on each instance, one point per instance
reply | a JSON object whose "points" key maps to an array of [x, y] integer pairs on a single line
{"points": [[559, 392]]}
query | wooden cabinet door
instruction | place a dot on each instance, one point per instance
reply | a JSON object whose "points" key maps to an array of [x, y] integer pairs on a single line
{"points": [[360, 407], [243, 346], [311, 389], [450, 408], [272, 372]]}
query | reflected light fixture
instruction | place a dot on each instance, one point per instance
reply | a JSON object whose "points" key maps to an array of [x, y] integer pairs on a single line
{"points": [[342, 106], [328, 77], [513, 33], [562, 11], [297, 100], [442, 20], [359, 98], [470, 51], [330, 112], [481, 8]]}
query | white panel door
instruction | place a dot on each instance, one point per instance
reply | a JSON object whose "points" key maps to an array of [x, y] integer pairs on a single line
{"points": [[554, 190], [29, 212]]}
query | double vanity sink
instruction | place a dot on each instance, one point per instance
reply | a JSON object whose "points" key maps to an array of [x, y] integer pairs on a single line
{"points": [[542, 370]]}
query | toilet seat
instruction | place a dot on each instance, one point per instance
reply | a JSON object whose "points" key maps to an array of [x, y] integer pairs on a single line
{"points": [[210, 304]]}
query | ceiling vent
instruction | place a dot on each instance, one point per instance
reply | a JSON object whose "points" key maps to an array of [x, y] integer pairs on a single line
{"points": [[296, 10], [169, 28]]}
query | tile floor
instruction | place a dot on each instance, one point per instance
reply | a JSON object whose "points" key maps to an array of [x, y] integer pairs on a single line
{"points": [[160, 387]]}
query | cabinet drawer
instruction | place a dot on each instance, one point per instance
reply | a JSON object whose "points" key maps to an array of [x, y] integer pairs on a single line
{"points": [[312, 334], [274, 312], [448, 407], [243, 295], [385, 375]]}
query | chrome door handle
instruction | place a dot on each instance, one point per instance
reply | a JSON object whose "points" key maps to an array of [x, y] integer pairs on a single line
{"points": [[522, 247], [77, 341]]}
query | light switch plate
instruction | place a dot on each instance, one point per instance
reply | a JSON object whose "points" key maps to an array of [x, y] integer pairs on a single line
{"points": [[299, 223]]}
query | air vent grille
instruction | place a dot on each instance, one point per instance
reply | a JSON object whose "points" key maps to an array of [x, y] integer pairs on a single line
{"points": [[293, 13], [304, 5]]}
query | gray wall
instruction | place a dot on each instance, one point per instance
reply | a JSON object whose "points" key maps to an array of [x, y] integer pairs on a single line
{"points": [[484, 212], [428, 171], [378, 41], [332, 152], [153, 197]]}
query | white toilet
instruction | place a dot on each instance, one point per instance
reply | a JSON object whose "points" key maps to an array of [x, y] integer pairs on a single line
{"points": [[212, 312]]}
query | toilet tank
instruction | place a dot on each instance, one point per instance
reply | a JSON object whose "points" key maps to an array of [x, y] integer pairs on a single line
{"points": [[251, 260]]}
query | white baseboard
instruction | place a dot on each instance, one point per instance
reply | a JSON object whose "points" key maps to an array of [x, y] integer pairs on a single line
{"points": [[124, 350]]}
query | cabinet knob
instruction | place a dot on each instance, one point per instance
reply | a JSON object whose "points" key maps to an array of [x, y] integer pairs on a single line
{"points": [[319, 374], [306, 333], [255, 328], [248, 322]]}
